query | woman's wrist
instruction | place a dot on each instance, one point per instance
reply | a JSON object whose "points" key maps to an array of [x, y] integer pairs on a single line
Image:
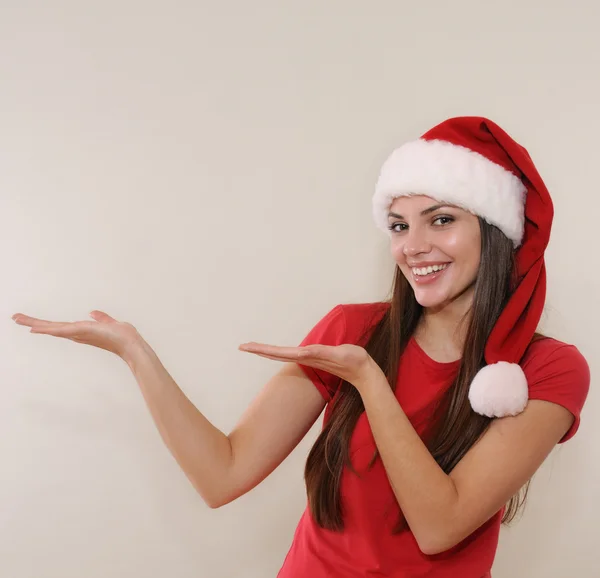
{"points": [[371, 378], [135, 350]]}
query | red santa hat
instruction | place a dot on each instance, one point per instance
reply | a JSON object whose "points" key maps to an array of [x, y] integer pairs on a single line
{"points": [[472, 163]]}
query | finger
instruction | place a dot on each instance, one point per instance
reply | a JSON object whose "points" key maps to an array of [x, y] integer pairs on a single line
{"points": [[302, 357], [318, 351], [307, 354], [102, 317], [317, 364], [315, 351], [276, 357], [21, 319], [275, 350], [313, 363], [56, 329], [82, 329]]}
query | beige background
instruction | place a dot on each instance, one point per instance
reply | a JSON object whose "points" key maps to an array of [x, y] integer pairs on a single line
{"points": [[204, 170]]}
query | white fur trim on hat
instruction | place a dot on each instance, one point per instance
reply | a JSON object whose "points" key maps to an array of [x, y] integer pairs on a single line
{"points": [[454, 174], [499, 390]]}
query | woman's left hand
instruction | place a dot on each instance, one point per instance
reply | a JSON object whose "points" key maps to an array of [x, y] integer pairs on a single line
{"points": [[103, 332], [350, 362]]}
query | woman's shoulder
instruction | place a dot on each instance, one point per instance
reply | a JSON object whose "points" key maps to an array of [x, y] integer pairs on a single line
{"points": [[347, 323], [545, 349], [361, 317], [553, 365], [364, 310], [557, 371]]}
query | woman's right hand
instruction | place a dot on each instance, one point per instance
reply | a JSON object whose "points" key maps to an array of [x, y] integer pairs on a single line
{"points": [[103, 332], [268, 431]]}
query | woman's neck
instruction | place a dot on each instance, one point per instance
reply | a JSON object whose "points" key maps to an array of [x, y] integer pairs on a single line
{"points": [[441, 332]]}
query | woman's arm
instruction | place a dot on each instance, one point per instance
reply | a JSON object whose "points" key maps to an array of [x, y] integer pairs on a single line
{"points": [[442, 509], [223, 467], [220, 467]]}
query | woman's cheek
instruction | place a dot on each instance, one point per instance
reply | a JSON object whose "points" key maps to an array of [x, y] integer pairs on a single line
{"points": [[453, 239], [465, 245], [397, 251]]}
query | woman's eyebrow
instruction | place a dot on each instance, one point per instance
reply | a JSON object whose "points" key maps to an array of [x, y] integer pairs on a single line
{"points": [[423, 212]]}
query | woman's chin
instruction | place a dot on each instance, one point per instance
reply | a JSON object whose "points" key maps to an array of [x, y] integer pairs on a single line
{"points": [[430, 301], [430, 298], [438, 300]]}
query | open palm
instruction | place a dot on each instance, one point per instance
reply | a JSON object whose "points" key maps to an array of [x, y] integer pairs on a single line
{"points": [[104, 331], [350, 362]]}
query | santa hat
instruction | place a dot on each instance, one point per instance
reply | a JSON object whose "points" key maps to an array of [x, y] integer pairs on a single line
{"points": [[474, 164]]}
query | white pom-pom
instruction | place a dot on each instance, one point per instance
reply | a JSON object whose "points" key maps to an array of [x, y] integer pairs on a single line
{"points": [[499, 390]]}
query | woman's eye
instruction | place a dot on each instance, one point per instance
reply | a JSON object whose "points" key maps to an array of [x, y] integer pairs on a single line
{"points": [[398, 227], [443, 220]]}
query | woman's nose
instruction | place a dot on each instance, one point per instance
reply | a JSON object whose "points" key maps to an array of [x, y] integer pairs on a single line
{"points": [[416, 242]]}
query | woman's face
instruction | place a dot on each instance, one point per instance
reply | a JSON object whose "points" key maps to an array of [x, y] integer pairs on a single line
{"points": [[438, 249]]}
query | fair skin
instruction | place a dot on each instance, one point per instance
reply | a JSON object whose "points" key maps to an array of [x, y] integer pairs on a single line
{"points": [[427, 233], [440, 509]]}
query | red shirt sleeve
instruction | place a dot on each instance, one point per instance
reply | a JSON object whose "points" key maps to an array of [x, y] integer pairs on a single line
{"points": [[331, 330], [557, 372]]}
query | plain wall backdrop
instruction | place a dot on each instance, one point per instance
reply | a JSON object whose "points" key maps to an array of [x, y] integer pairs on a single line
{"points": [[204, 171]]}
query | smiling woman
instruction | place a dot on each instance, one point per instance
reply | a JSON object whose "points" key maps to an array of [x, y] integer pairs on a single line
{"points": [[437, 248], [440, 404]]}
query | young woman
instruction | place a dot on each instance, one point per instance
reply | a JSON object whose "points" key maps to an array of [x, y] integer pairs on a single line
{"points": [[440, 404]]}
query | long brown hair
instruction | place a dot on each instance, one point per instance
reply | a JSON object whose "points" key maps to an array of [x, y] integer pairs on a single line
{"points": [[457, 427]]}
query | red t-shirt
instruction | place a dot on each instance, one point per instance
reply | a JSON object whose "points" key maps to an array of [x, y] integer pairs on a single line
{"points": [[367, 547]]}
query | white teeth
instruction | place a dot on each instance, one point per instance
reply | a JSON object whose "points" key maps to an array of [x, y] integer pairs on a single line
{"points": [[428, 270]]}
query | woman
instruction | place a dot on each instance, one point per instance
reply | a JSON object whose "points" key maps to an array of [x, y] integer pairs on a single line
{"points": [[440, 404]]}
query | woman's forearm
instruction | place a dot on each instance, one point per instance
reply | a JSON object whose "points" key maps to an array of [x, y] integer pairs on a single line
{"points": [[426, 495], [202, 450]]}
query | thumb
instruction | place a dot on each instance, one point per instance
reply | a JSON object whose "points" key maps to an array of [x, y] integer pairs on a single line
{"points": [[102, 317]]}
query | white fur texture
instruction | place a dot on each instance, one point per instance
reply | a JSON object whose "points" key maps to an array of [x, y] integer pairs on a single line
{"points": [[453, 174], [499, 390]]}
